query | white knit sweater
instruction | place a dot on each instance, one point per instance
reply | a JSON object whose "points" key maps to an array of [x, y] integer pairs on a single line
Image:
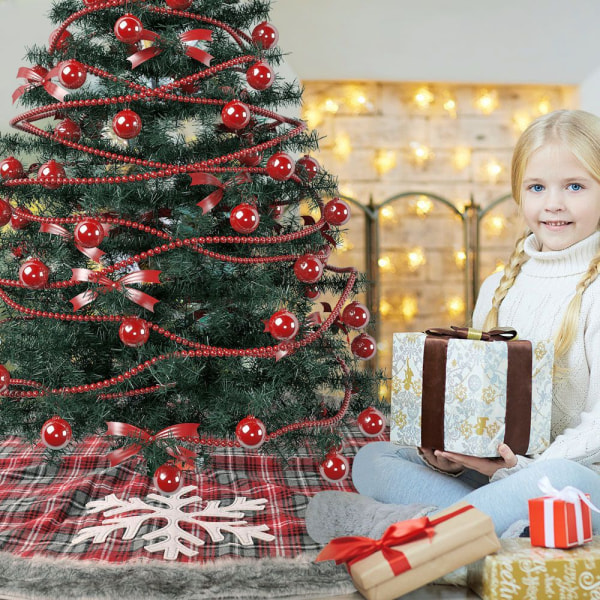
{"points": [[534, 306]]}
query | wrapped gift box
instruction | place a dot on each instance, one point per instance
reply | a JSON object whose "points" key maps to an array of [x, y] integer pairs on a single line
{"points": [[469, 395], [442, 543], [522, 572]]}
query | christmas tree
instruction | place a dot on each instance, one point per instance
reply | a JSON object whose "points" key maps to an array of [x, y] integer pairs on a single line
{"points": [[158, 274]]}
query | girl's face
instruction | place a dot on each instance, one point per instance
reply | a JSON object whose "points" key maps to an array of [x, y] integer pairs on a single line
{"points": [[559, 198]]}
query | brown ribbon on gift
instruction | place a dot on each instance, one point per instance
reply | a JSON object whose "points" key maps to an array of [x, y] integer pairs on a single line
{"points": [[517, 423]]}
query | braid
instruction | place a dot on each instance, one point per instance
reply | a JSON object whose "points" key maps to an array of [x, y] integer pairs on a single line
{"points": [[515, 262]]}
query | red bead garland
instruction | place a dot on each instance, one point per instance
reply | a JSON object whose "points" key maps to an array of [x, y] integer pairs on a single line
{"points": [[167, 478], [337, 212], [20, 222], [4, 379], [281, 166], [72, 74], [308, 269], [128, 29], [127, 124], [235, 115], [5, 212], [49, 172], [89, 233], [11, 168], [244, 218], [251, 432], [260, 76], [34, 274], [265, 35], [56, 433], [179, 4], [134, 332]]}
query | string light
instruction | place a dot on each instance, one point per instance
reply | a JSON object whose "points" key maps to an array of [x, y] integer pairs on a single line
{"points": [[384, 161], [386, 265], [492, 170], [460, 258], [342, 147], [424, 97], [544, 106], [487, 101], [499, 266], [521, 120], [409, 307], [313, 115], [385, 308], [450, 105], [495, 225], [461, 157], [416, 258], [331, 106], [388, 214], [420, 153], [422, 206], [455, 306], [344, 245], [357, 100]]}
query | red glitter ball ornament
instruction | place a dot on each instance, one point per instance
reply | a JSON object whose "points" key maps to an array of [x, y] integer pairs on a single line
{"points": [[334, 468], [41, 71], [252, 159], [179, 4], [68, 130], [308, 269], [251, 432], [4, 379], [281, 166], [167, 478], [56, 433], [34, 274], [235, 115], [128, 29], [356, 315], [134, 332], [127, 124], [89, 233], [371, 422], [283, 325], [72, 74], [309, 167], [337, 212], [265, 35], [51, 170], [244, 218], [18, 222], [11, 168], [5, 212], [363, 346], [260, 76]]}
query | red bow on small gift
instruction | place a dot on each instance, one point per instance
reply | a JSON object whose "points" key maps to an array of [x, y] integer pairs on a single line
{"points": [[137, 296], [35, 80], [213, 199], [181, 431], [94, 253]]}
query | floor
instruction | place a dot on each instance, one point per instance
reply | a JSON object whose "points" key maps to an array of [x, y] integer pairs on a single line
{"points": [[429, 592]]}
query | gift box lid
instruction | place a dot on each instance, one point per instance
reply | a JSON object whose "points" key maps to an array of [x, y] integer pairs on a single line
{"points": [[466, 525]]}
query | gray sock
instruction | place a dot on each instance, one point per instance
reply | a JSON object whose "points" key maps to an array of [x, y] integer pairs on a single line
{"points": [[334, 514]]}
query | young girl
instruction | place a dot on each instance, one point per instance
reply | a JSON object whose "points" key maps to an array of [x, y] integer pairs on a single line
{"points": [[550, 288]]}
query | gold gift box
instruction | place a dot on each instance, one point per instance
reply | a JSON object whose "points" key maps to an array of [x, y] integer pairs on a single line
{"points": [[458, 541], [522, 572]]}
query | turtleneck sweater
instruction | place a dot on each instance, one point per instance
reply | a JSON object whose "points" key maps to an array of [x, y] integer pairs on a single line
{"points": [[535, 306]]}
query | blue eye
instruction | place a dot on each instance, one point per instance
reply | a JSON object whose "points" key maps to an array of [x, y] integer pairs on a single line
{"points": [[575, 187], [536, 187]]}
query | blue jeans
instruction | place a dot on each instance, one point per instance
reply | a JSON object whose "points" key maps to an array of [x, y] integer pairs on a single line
{"points": [[398, 475]]}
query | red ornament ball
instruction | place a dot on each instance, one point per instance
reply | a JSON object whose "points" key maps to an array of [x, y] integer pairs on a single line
{"points": [[312, 292], [251, 432], [252, 159], [265, 35], [167, 478], [179, 4], [276, 210], [41, 71], [5, 212], [190, 88], [281, 166], [48, 171], [62, 43], [11, 168], [283, 325], [89, 233], [308, 269], [371, 422], [34, 274], [56, 433], [364, 346], [356, 315], [68, 130], [235, 115], [4, 379], [244, 218], [127, 124], [260, 76], [309, 167], [18, 222], [128, 29], [337, 212], [72, 74], [134, 332], [334, 468]]}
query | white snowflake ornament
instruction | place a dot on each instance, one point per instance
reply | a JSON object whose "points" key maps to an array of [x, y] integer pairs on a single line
{"points": [[170, 508]]}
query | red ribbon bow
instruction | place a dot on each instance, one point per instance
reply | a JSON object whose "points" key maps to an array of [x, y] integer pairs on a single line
{"points": [[36, 80], [137, 296], [213, 199], [94, 253], [193, 35], [183, 430]]}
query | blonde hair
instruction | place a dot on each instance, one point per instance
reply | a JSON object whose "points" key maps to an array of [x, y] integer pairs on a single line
{"points": [[579, 131]]}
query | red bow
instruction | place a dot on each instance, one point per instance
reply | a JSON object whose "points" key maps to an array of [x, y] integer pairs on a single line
{"points": [[137, 296], [36, 80], [213, 199], [193, 35], [183, 430], [94, 253]]}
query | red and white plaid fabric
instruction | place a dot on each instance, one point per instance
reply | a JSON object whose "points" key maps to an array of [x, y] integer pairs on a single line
{"points": [[42, 505]]}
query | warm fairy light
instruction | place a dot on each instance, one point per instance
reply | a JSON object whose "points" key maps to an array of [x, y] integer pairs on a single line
{"points": [[461, 157], [416, 258], [342, 146], [487, 101], [384, 391], [495, 225], [460, 258], [455, 306], [386, 265], [544, 106], [461, 204], [347, 191], [331, 106], [409, 307], [344, 245], [521, 120], [357, 100], [422, 206], [313, 115], [450, 106], [499, 266], [385, 308], [420, 153], [423, 97], [493, 169], [388, 214], [384, 161]]}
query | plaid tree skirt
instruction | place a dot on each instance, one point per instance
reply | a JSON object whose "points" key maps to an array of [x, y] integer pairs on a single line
{"points": [[43, 506]]}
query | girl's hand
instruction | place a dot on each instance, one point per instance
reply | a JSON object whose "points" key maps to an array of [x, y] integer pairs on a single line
{"points": [[486, 466], [439, 462]]}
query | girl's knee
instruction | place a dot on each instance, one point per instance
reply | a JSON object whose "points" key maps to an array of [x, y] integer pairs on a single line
{"points": [[366, 464], [562, 472]]}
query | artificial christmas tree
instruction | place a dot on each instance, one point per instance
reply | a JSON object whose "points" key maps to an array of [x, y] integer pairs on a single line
{"points": [[162, 281]]}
